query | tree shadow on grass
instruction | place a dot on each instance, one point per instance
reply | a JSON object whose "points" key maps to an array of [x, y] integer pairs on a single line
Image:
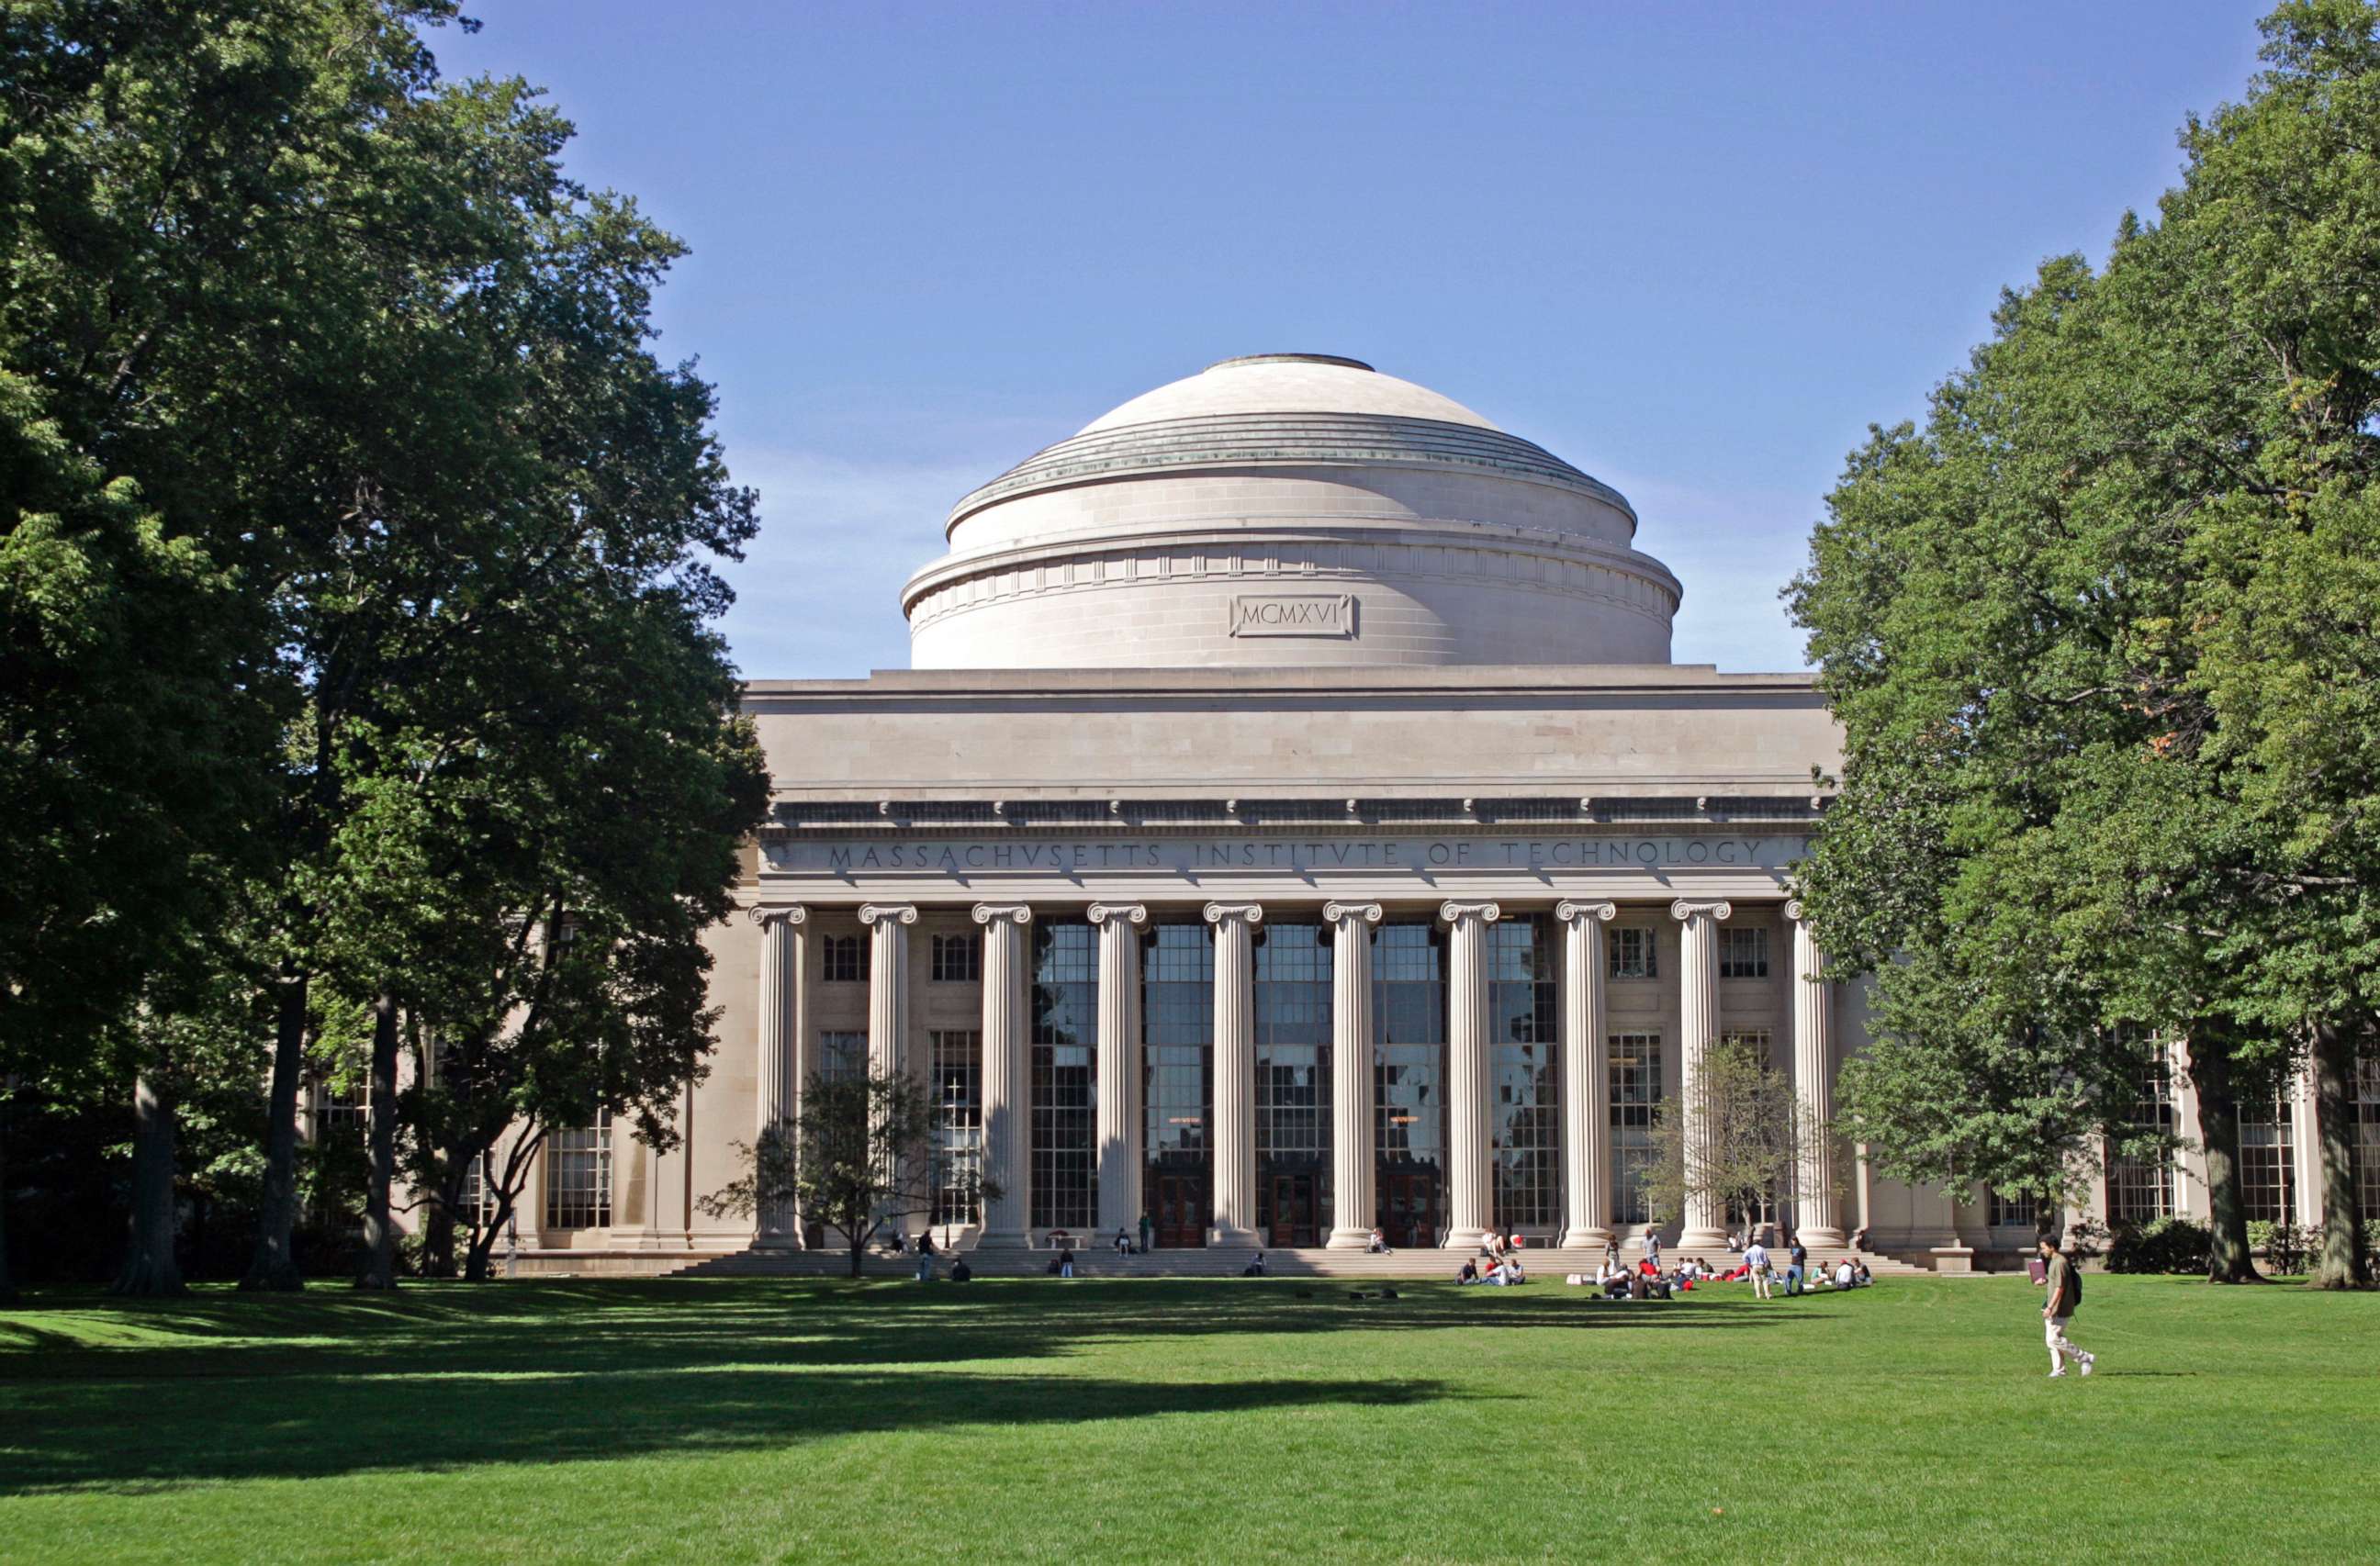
{"points": [[127, 1395]]}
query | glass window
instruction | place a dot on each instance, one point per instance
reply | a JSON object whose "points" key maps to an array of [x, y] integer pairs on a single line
{"points": [[1635, 1090], [843, 959], [2003, 1211], [2141, 1190], [1177, 1025], [1408, 1079], [343, 1112], [958, 959], [1635, 953], [1525, 1106], [1743, 953], [1065, 1105], [958, 1122], [842, 1054], [2367, 1138], [1293, 1067], [2268, 1159], [579, 1176]]}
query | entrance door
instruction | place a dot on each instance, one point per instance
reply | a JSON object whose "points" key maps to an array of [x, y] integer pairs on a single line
{"points": [[1296, 1211], [1181, 1215], [1409, 1207]]}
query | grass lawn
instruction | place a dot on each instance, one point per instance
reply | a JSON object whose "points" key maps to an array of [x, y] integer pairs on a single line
{"points": [[746, 1420]]}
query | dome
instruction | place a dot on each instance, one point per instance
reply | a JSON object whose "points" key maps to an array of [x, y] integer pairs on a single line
{"points": [[1290, 508], [1288, 384]]}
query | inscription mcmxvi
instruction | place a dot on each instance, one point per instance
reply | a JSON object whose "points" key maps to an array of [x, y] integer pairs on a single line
{"points": [[1293, 614]]}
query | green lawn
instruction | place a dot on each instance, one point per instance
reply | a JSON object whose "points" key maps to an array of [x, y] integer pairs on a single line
{"points": [[728, 1421]]}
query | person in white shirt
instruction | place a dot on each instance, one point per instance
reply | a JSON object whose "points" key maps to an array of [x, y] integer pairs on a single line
{"points": [[1755, 1256], [1843, 1273]]}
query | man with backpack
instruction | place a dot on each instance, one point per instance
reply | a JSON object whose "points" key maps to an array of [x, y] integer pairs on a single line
{"points": [[2064, 1281]]}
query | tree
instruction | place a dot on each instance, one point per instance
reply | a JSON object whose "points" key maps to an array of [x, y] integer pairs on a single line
{"points": [[2101, 638], [860, 1153], [1755, 1140]]}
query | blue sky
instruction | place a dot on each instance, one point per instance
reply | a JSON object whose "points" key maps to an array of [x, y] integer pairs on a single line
{"points": [[1694, 250]]}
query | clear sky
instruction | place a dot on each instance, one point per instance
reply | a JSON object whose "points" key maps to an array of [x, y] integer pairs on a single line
{"points": [[1694, 250]]}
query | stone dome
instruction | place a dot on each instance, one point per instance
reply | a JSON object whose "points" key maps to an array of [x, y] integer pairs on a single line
{"points": [[1290, 509]]}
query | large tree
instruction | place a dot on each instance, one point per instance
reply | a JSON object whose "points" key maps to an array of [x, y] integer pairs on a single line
{"points": [[2101, 637]]}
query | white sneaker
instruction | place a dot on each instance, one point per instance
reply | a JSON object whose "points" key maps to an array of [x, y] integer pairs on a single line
{"points": [[2088, 1360], [2056, 1375]]}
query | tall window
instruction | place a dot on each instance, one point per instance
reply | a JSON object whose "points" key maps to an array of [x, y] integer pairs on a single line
{"points": [[958, 959], [343, 1112], [1177, 1029], [958, 1122], [1524, 1113], [2141, 1190], [479, 1205], [2003, 1211], [2367, 1138], [1065, 1105], [1635, 953], [1743, 952], [843, 959], [578, 1175], [1408, 1079], [1292, 1015], [2268, 1184], [842, 1054], [1635, 1090]]}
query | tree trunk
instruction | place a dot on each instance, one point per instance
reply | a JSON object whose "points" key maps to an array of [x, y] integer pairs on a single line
{"points": [[2229, 1260], [149, 1266], [858, 1251], [7, 1283], [2341, 1262], [274, 1266], [438, 1235], [380, 1229]]}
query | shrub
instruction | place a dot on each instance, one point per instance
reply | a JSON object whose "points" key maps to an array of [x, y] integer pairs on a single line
{"points": [[2165, 1244], [2286, 1248]]}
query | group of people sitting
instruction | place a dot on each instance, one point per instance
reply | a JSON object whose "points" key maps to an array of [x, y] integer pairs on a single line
{"points": [[1616, 1280], [1499, 1261]]}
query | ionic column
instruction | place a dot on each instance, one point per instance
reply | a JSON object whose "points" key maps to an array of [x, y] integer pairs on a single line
{"points": [[1119, 1063], [888, 984], [1235, 1071], [1470, 1204], [1817, 1212], [779, 1071], [1586, 1073], [1007, 1079], [1698, 1031], [1353, 1206]]}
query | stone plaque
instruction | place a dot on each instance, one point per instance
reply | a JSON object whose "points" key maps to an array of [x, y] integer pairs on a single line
{"points": [[1293, 614]]}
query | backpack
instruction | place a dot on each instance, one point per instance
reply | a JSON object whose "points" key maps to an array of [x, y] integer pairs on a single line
{"points": [[2073, 1283]]}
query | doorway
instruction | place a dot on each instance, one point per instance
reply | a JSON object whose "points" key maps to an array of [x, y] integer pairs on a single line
{"points": [[1296, 1211], [1182, 1210], [1409, 1207]]}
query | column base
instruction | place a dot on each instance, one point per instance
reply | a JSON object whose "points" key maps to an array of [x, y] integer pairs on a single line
{"points": [[1230, 1237], [1465, 1238], [1953, 1259], [1814, 1237], [1013, 1239], [1700, 1240], [776, 1243], [1349, 1240], [1590, 1238]]}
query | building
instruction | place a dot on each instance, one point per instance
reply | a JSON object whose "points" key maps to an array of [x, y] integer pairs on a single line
{"points": [[1291, 824]]}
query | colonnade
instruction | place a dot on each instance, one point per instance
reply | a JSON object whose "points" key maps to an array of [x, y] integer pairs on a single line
{"points": [[1585, 1084]]}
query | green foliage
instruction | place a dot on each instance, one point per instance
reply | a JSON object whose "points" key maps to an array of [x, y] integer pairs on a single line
{"points": [[2101, 636], [2286, 1247], [2165, 1244], [1754, 1138]]}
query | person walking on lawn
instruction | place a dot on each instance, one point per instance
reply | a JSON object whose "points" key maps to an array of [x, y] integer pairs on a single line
{"points": [[2064, 1282]]}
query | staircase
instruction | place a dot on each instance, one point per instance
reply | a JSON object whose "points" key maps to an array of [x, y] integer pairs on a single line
{"points": [[1544, 1266]]}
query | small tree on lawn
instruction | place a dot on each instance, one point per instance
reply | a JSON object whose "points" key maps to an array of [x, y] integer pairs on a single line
{"points": [[859, 1153], [1756, 1139]]}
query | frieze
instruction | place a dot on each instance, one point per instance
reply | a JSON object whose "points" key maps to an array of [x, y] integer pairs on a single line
{"points": [[1192, 855]]}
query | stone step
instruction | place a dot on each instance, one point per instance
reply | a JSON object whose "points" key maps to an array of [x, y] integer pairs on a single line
{"points": [[1549, 1264]]}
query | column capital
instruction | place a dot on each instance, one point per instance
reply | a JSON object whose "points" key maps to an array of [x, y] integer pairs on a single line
{"points": [[766, 914], [1684, 909], [1013, 913], [876, 913], [1567, 912], [1338, 913], [1247, 913], [1132, 913], [1793, 910], [1485, 913]]}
